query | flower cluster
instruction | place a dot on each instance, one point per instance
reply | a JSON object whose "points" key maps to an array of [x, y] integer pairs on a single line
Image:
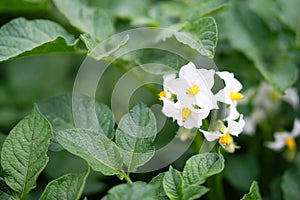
{"points": [[188, 99]]}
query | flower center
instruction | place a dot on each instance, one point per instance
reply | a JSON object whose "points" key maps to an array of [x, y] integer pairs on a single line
{"points": [[162, 94], [236, 96], [185, 113], [290, 143], [193, 90], [226, 139]]}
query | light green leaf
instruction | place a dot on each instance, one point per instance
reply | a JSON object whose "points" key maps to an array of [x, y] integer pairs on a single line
{"points": [[290, 183], [173, 184], [194, 192], [24, 152], [88, 19], [67, 187], [60, 113], [204, 32], [131, 191], [202, 166], [258, 44], [288, 14], [21, 37], [197, 9], [89, 41], [101, 153], [253, 193], [158, 69], [135, 135]]}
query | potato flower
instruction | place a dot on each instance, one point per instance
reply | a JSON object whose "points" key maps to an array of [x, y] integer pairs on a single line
{"points": [[285, 139], [186, 115], [193, 86], [230, 93], [223, 133]]}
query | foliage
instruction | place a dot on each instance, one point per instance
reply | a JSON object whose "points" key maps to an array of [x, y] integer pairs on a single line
{"points": [[75, 146]]}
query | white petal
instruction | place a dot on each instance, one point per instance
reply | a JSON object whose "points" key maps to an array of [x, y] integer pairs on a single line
{"points": [[296, 128], [207, 77], [171, 109], [230, 81], [167, 78], [233, 113], [279, 142], [291, 97], [195, 119], [223, 96], [177, 86], [235, 128], [189, 73], [210, 136]]}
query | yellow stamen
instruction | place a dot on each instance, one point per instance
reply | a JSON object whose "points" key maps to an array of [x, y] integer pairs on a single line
{"points": [[236, 96], [275, 96], [226, 139], [185, 113], [193, 90], [162, 94], [290, 143]]}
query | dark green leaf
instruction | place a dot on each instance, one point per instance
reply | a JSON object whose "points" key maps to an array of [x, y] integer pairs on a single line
{"points": [[194, 192], [245, 167], [253, 193], [67, 187], [258, 44], [23, 5], [135, 135], [173, 184], [157, 181], [202, 166], [24, 152], [101, 153], [21, 37], [290, 183]]}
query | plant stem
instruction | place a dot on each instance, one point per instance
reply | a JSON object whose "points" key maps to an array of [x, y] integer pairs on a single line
{"points": [[126, 176]]}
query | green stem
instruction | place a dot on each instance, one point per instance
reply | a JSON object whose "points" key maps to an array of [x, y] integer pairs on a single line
{"points": [[216, 186], [126, 176]]}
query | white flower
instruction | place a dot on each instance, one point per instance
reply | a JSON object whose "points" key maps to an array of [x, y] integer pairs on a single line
{"points": [[186, 115], [283, 139], [166, 92], [230, 93], [223, 134], [291, 96], [194, 87]]}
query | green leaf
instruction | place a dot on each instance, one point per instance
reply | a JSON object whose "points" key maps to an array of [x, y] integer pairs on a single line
{"points": [[67, 187], [288, 14], [101, 153], [253, 193], [197, 9], [87, 19], [21, 37], [173, 184], [5, 192], [135, 136], [243, 166], [23, 5], [290, 183], [60, 113], [24, 152], [157, 181], [204, 32], [194, 192], [131, 191], [89, 41], [202, 166], [258, 45]]}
